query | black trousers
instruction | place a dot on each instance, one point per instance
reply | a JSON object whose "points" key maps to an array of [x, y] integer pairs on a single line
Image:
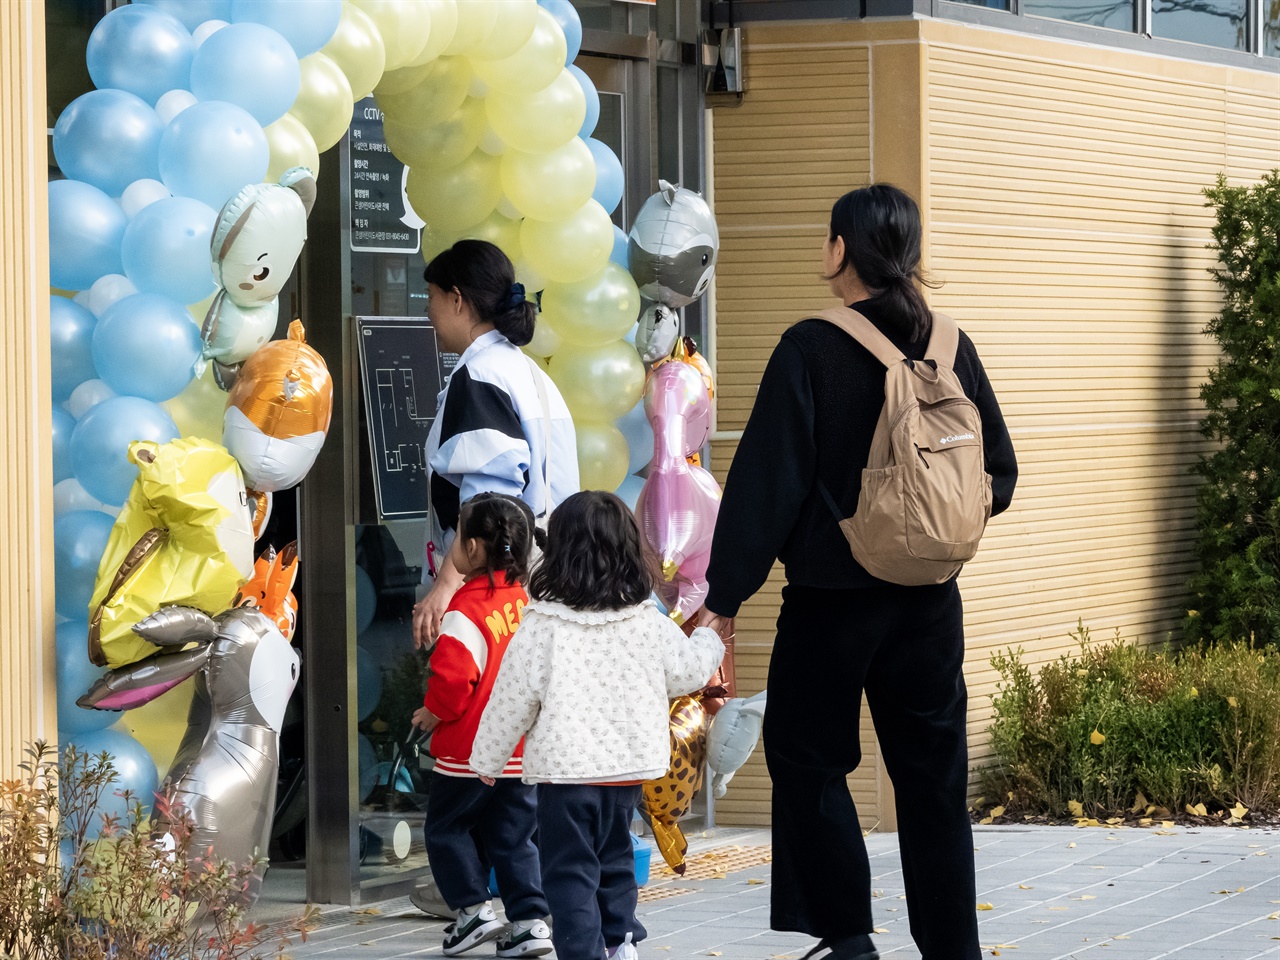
{"points": [[503, 817], [903, 646], [588, 867]]}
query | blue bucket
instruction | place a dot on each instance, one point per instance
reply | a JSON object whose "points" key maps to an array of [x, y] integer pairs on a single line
{"points": [[642, 850]]}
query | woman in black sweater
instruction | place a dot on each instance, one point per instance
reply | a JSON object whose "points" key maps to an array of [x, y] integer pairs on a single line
{"points": [[843, 632]]}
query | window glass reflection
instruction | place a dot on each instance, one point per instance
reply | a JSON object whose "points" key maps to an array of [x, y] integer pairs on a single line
{"points": [[993, 4], [1217, 23], [1271, 28], [1116, 14]]}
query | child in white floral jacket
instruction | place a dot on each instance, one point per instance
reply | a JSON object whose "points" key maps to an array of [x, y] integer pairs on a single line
{"points": [[587, 681]]}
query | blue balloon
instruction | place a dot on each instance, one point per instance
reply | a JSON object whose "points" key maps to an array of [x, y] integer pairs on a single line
{"points": [[251, 66], [135, 772], [64, 424], [212, 149], [570, 23], [143, 50], [166, 249], [307, 24], [368, 683], [85, 230], [610, 180], [629, 490], [638, 431], [100, 445], [366, 600], [192, 13], [620, 244], [75, 676], [146, 346], [70, 346], [593, 101], [79, 538], [108, 138]]}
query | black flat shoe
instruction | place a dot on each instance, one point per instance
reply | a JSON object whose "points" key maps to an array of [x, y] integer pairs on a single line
{"points": [[857, 947]]}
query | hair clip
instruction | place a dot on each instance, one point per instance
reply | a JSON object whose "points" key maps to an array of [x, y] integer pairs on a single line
{"points": [[506, 548], [516, 295]]}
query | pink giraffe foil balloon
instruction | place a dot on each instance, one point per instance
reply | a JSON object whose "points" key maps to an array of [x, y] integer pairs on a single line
{"points": [[677, 507]]}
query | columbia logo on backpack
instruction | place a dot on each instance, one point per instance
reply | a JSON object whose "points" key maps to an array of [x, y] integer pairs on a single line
{"points": [[924, 504]]}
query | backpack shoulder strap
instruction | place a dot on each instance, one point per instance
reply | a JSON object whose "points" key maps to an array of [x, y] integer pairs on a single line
{"points": [[545, 403], [864, 331], [944, 340]]}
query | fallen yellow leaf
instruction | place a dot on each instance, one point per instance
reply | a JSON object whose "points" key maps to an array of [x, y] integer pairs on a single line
{"points": [[1059, 908], [984, 821], [985, 906], [1274, 916], [369, 911], [754, 880], [1239, 810], [1097, 737], [997, 812], [1139, 804], [1086, 896], [1145, 822], [880, 930], [714, 953], [1194, 693], [1076, 808], [1023, 886], [1232, 702], [1198, 810], [718, 876], [1071, 844], [1261, 853], [1167, 824]]}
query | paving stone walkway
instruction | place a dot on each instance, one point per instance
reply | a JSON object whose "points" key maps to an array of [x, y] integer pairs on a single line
{"points": [[1054, 893]]}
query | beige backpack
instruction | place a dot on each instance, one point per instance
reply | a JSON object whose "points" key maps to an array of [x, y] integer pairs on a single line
{"points": [[926, 494]]}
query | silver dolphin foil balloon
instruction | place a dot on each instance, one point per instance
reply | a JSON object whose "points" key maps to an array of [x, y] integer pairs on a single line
{"points": [[673, 245], [224, 773]]}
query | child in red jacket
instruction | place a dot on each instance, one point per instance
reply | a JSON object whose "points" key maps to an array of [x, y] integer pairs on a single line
{"points": [[491, 549]]}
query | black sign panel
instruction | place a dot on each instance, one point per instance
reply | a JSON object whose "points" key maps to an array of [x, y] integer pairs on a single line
{"points": [[402, 372], [381, 219]]}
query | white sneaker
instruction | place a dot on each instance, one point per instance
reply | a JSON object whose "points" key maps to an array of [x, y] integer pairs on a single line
{"points": [[474, 926], [625, 951], [526, 938]]}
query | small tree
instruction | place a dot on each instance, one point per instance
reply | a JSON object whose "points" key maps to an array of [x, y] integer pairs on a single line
{"points": [[1237, 590]]}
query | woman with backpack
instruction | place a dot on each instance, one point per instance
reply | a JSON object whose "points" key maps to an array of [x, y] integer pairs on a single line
{"points": [[937, 471]]}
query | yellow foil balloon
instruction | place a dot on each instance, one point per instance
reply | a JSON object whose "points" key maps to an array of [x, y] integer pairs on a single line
{"points": [[438, 146], [440, 88], [404, 26], [291, 145], [475, 23], [197, 410], [599, 384], [594, 311], [602, 453], [533, 65], [357, 48], [457, 198], [444, 22], [324, 101], [549, 186], [161, 724], [669, 798], [541, 121], [572, 249], [512, 29]]}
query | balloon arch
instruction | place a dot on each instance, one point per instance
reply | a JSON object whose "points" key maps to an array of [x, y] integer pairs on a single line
{"points": [[199, 148]]}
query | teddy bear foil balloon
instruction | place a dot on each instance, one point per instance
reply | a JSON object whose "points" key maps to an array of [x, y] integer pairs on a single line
{"points": [[256, 242]]}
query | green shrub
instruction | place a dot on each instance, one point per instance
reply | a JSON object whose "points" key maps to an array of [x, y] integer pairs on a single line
{"points": [[1117, 720]]}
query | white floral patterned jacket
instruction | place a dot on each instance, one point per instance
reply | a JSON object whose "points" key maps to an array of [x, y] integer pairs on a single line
{"points": [[590, 692]]}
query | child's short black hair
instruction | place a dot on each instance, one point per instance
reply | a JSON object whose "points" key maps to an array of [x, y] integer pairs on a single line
{"points": [[596, 557], [505, 525]]}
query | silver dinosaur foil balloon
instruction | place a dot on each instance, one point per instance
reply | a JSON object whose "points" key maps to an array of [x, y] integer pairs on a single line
{"points": [[673, 245], [657, 333], [224, 773]]}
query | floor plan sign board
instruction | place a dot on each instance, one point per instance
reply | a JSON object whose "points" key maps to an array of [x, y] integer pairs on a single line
{"points": [[402, 372]]}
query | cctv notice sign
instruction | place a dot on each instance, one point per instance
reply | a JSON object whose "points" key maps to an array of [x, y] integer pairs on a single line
{"points": [[382, 221]]}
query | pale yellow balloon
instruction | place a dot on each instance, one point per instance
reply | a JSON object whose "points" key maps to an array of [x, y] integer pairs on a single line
{"points": [[161, 724], [528, 274], [600, 383], [358, 50], [197, 411], [398, 81], [454, 199], [594, 311], [444, 22], [404, 25], [438, 146], [324, 101], [502, 232], [549, 186], [200, 310], [602, 455], [441, 88], [542, 362], [490, 142], [511, 30], [541, 121], [475, 22], [534, 65], [435, 242], [545, 340], [572, 249], [291, 145]]}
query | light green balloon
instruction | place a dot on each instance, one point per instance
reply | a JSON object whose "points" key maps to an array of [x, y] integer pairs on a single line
{"points": [[599, 384], [594, 311], [534, 65], [568, 250], [457, 198], [542, 121], [549, 186]]}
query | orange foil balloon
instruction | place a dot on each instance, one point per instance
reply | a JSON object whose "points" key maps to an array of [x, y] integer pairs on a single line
{"points": [[669, 798], [270, 588], [278, 412]]}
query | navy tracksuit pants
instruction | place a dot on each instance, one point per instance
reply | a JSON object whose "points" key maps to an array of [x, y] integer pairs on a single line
{"points": [[503, 818], [588, 867], [903, 646]]}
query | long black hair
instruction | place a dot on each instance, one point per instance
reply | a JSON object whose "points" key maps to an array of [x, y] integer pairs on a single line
{"points": [[484, 276], [505, 526], [596, 557], [880, 226]]}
